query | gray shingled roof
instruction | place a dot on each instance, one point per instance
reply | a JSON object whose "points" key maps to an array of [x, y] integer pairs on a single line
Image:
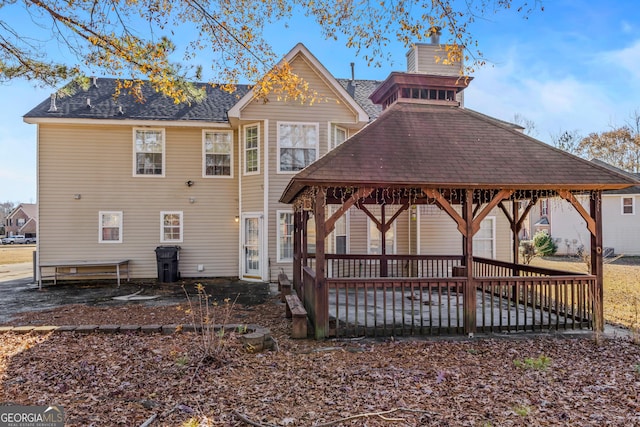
{"points": [[360, 90], [159, 107], [156, 106], [442, 146]]}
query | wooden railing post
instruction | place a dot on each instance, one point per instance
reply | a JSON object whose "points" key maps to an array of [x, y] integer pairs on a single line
{"points": [[321, 291], [469, 296], [597, 292]]}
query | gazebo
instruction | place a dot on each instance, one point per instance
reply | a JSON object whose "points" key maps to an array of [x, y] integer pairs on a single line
{"points": [[426, 149]]}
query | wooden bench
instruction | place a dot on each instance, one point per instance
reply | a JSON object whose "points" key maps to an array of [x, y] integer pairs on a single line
{"points": [[296, 312], [75, 268], [284, 286]]}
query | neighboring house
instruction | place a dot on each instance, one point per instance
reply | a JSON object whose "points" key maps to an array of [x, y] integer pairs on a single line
{"points": [[22, 220], [117, 178], [620, 221]]}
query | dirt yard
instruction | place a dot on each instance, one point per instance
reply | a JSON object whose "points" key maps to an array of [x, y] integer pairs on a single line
{"points": [[194, 379], [125, 379]]}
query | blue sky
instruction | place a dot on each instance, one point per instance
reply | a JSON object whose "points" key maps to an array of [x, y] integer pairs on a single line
{"points": [[575, 66]]}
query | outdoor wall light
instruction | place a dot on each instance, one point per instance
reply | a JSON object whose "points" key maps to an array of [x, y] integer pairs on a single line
{"points": [[189, 183], [237, 218], [77, 196]]}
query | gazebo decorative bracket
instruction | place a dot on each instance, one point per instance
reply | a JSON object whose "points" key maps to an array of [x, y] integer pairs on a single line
{"points": [[502, 194], [362, 193], [444, 204], [591, 223]]}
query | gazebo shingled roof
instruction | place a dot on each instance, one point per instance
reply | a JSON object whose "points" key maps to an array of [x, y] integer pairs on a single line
{"points": [[444, 146]]}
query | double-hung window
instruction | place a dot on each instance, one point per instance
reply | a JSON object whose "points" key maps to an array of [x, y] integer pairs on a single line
{"points": [[110, 225], [171, 227], [148, 148], [297, 145], [251, 149], [628, 206], [338, 136], [217, 153], [285, 236], [484, 242]]}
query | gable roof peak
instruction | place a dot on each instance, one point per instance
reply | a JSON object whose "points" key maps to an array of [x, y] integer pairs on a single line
{"points": [[301, 49]]}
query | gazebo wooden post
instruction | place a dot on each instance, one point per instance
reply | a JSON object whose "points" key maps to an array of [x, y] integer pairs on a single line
{"points": [[321, 299], [597, 260], [516, 233], [298, 221], [383, 244], [469, 294]]}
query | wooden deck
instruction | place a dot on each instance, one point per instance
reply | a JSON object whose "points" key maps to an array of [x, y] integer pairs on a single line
{"points": [[508, 297]]}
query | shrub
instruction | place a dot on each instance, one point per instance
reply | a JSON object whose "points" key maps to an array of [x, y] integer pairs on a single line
{"points": [[544, 244], [527, 251]]}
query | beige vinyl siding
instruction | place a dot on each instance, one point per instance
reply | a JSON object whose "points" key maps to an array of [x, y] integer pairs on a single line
{"points": [[97, 163], [439, 233], [252, 192], [422, 59], [322, 113]]}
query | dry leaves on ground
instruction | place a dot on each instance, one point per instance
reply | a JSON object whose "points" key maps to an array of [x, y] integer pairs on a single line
{"points": [[124, 379]]}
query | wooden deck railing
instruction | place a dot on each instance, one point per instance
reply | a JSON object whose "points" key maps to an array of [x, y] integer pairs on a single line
{"points": [[484, 267], [534, 303], [421, 296], [373, 266], [380, 307]]}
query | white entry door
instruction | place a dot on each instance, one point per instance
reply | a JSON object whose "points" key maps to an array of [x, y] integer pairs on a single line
{"points": [[251, 246]]}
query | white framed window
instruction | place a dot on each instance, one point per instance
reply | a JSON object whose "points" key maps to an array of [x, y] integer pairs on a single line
{"points": [[297, 145], [110, 227], [484, 242], [171, 227], [544, 207], [338, 136], [374, 238], [285, 236], [628, 206], [251, 149], [148, 152], [21, 222], [217, 153], [339, 235]]}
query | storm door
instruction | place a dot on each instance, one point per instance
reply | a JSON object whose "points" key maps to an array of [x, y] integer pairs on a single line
{"points": [[251, 258]]}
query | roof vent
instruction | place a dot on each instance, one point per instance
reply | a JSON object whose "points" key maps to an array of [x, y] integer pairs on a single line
{"points": [[94, 81], [120, 111], [52, 105], [89, 103]]}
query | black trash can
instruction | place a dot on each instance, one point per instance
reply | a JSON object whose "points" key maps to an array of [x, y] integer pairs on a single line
{"points": [[167, 258]]}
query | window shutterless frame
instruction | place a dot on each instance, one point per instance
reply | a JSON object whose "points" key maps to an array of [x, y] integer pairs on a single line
{"points": [[298, 145], [110, 227], [149, 152], [217, 153], [251, 146], [628, 205], [171, 226]]}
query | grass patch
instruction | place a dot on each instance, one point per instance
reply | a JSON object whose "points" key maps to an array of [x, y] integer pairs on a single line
{"points": [[14, 254]]}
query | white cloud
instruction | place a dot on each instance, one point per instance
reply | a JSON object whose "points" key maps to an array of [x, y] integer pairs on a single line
{"points": [[554, 100], [626, 59]]}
